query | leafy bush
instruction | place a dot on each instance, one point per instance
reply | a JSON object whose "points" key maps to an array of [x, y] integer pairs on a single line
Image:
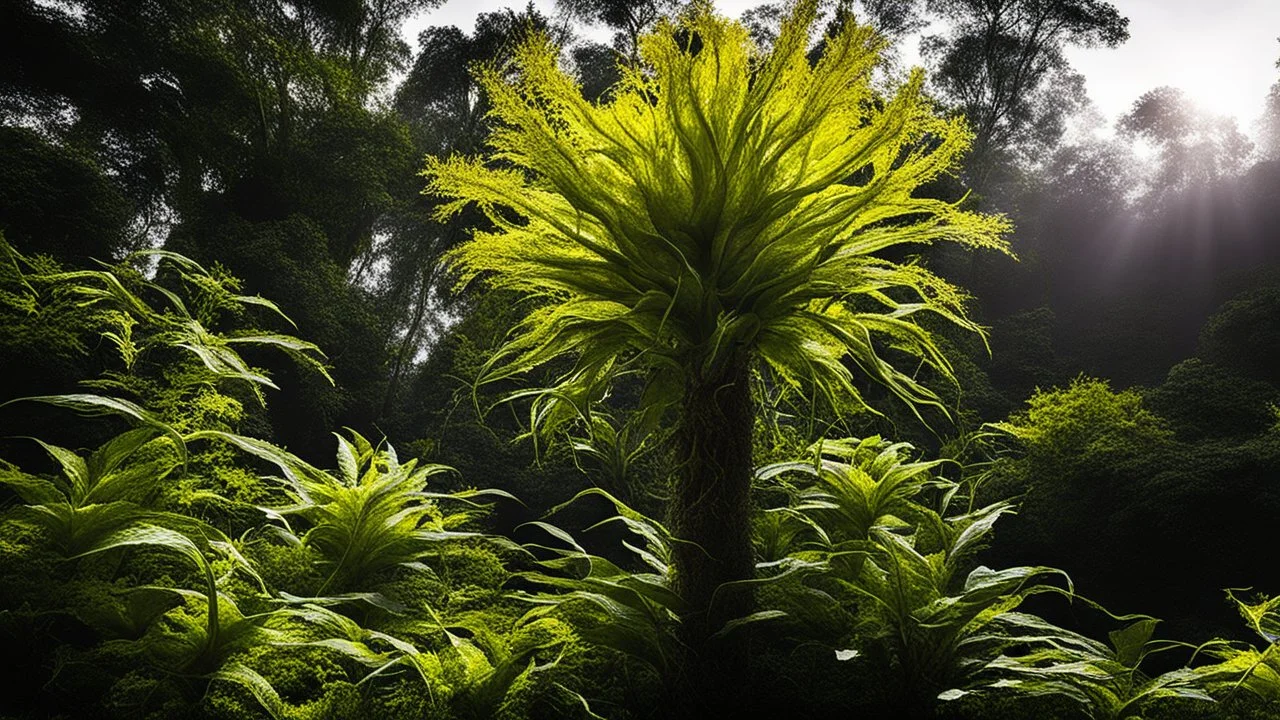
{"points": [[1111, 495], [1086, 422], [894, 552], [1206, 401], [373, 523]]}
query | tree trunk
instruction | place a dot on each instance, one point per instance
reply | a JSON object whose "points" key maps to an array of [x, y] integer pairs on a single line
{"points": [[710, 515]]}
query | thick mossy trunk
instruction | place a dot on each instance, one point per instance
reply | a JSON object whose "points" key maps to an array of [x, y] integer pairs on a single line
{"points": [[710, 514]]}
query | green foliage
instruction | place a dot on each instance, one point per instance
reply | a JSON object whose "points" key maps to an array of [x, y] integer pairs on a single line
{"points": [[1109, 493], [772, 255], [1077, 443], [636, 613], [177, 339], [100, 507], [375, 514], [1105, 680], [1243, 333], [641, 609], [474, 676], [1204, 401], [175, 348], [896, 550], [183, 325], [98, 495], [373, 524], [860, 485], [44, 331], [58, 200], [1246, 667], [1088, 421]]}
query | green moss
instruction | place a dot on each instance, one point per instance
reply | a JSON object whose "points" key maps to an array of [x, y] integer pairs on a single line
{"points": [[408, 699], [474, 574], [285, 567], [299, 674], [146, 696], [341, 701]]}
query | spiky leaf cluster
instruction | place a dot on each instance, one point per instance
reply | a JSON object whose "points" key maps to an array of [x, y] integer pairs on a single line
{"points": [[375, 514], [724, 204]]}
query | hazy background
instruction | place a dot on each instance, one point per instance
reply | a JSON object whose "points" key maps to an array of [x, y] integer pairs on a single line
{"points": [[1221, 53]]}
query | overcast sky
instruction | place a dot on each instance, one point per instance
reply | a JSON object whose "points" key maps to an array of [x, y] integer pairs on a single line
{"points": [[1221, 52]]}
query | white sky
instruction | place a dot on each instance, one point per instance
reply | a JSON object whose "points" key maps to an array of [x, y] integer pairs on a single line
{"points": [[1221, 52]]}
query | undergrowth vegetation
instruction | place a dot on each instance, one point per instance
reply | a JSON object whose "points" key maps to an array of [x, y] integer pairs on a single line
{"points": [[166, 572]]}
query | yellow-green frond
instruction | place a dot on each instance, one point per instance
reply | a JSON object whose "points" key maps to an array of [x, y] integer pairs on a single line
{"points": [[724, 202]]}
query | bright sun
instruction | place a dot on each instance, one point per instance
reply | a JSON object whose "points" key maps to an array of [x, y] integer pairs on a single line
{"points": [[1219, 91]]}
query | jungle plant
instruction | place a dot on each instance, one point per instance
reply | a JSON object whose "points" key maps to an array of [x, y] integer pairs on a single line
{"points": [[860, 484], [178, 311], [114, 499], [105, 502], [614, 450], [897, 553], [640, 612], [462, 676], [171, 359], [642, 609], [1246, 667], [375, 515], [116, 489], [95, 496], [721, 212], [1105, 680], [100, 507]]}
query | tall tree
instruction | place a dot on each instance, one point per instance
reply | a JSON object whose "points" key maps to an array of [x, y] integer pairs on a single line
{"points": [[629, 19], [719, 216], [248, 133], [1196, 147], [597, 64], [1002, 63], [1269, 125], [446, 112], [895, 19]]}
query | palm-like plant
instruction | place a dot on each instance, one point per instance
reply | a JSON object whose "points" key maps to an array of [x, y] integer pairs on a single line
{"points": [[721, 212]]}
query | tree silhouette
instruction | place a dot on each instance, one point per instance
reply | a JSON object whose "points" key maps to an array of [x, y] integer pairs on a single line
{"points": [[1002, 63], [1196, 147]]}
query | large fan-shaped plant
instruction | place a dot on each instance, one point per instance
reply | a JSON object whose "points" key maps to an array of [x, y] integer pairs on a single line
{"points": [[721, 213]]}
